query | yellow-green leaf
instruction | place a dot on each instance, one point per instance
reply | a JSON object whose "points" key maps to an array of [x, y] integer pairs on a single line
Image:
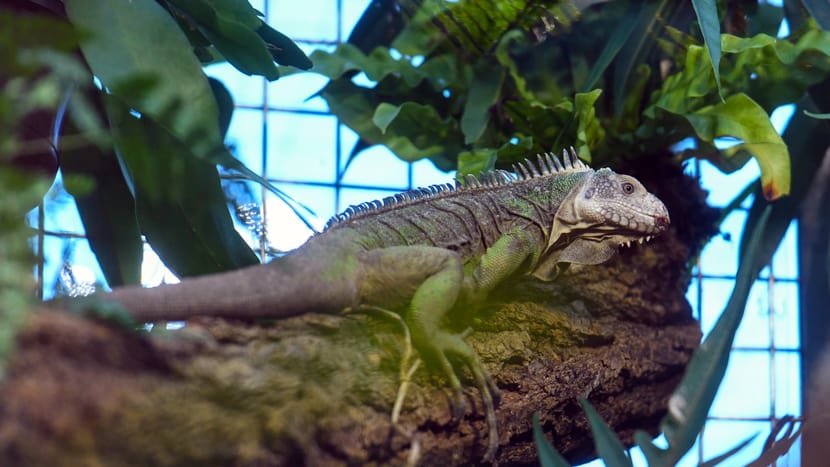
{"points": [[742, 118]]}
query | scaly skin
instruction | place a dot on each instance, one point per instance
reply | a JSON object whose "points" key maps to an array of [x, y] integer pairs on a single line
{"points": [[426, 252]]}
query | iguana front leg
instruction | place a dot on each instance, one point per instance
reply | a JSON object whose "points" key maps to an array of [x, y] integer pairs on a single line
{"points": [[434, 278], [430, 279]]}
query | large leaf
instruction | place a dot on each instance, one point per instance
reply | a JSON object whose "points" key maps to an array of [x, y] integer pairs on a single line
{"points": [[164, 82], [742, 118], [412, 131], [179, 202], [440, 70], [231, 25], [775, 71], [107, 208]]}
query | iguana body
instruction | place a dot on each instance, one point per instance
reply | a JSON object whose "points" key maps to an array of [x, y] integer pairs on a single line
{"points": [[427, 251]]}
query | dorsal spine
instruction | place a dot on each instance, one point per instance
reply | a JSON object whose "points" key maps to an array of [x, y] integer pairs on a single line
{"points": [[547, 165]]}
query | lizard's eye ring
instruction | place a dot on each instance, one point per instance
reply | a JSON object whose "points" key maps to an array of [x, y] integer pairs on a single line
{"points": [[628, 188]]}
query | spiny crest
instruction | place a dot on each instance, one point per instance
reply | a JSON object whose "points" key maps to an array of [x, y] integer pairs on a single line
{"points": [[546, 165]]}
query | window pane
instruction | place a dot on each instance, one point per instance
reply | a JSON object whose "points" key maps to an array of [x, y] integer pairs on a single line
{"points": [[301, 147], [745, 390]]}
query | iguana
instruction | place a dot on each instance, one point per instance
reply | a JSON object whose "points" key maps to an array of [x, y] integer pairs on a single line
{"points": [[428, 251]]}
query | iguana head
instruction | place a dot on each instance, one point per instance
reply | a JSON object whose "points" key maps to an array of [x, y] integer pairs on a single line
{"points": [[602, 212], [612, 208]]}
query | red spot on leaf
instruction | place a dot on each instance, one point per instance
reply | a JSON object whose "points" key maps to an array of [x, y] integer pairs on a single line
{"points": [[771, 192]]}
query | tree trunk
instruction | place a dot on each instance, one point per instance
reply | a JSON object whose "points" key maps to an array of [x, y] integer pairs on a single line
{"points": [[319, 389]]}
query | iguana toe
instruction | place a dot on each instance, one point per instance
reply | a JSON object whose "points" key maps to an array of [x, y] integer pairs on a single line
{"points": [[440, 346]]}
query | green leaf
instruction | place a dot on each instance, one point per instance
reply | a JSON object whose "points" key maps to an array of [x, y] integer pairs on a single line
{"points": [[707, 17], [589, 131], [609, 448], [178, 97], [476, 161], [817, 115], [18, 191], [180, 204], [108, 210], [742, 118], [483, 94], [224, 104], [283, 49], [414, 131], [634, 47], [548, 457], [808, 138], [380, 63], [231, 25], [385, 114], [690, 403], [612, 47], [143, 76], [506, 61], [655, 455]]}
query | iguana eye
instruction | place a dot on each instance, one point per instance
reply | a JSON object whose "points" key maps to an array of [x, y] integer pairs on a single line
{"points": [[628, 188]]}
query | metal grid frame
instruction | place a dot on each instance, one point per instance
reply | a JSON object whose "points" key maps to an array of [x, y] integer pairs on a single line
{"points": [[770, 280], [265, 110]]}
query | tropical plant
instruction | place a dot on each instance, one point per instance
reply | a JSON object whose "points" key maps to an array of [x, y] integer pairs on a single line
{"points": [[483, 83], [471, 84], [150, 137]]}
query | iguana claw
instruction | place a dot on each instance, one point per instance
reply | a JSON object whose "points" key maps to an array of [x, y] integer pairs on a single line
{"points": [[435, 351]]}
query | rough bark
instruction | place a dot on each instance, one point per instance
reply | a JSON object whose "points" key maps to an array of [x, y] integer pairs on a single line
{"points": [[319, 390]]}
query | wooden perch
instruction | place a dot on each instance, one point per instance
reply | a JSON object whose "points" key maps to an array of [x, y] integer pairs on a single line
{"points": [[319, 389]]}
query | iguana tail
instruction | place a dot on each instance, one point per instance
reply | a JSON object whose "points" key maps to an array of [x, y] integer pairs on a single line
{"points": [[285, 287]]}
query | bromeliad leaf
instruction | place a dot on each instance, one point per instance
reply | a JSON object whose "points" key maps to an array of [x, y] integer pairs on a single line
{"points": [[729, 453], [690, 403], [548, 457], [609, 448], [817, 115]]}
